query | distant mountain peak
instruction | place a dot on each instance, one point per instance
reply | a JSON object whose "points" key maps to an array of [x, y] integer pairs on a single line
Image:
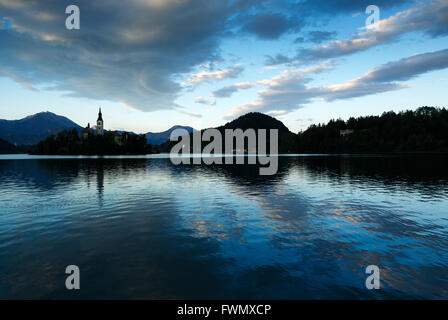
{"points": [[157, 138], [34, 128], [43, 113], [180, 127]]}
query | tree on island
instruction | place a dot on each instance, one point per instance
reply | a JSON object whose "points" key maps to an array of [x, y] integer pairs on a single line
{"points": [[68, 142]]}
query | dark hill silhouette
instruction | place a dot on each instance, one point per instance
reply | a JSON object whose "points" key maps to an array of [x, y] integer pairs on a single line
{"points": [[157, 138], [6, 147], [34, 128], [254, 120]]}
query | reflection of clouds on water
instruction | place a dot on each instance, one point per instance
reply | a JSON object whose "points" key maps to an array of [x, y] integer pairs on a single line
{"points": [[145, 228], [351, 236], [346, 234]]}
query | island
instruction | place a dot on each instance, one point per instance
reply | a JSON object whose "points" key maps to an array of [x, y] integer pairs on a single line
{"points": [[94, 142]]}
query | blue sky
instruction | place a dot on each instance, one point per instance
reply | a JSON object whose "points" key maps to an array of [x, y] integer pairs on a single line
{"points": [[152, 64]]}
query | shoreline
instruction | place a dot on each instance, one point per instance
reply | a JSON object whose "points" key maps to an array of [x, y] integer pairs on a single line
{"points": [[25, 156]]}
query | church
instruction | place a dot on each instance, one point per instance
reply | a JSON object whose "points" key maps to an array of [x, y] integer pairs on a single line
{"points": [[99, 127], [118, 138], [100, 124]]}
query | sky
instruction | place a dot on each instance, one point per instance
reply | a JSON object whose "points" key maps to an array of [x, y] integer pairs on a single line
{"points": [[153, 64]]}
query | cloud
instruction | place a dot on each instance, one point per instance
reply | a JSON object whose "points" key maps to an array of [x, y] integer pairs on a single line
{"points": [[345, 6], [203, 100], [288, 91], [385, 78], [314, 37], [279, 59], [431, 18], [320, 36], [408, 68], [205, 76], [227, 91], [284, 92], [272, 19], [305, 120], [131, 52], [269, 26], [138, 52], [190, 114]]}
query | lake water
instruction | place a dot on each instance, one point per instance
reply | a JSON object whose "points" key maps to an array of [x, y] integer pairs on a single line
{"points": [[141, 227]]}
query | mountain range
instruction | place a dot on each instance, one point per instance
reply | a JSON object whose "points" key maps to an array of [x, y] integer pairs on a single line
{"points": [[35, 128], [421, 130]]}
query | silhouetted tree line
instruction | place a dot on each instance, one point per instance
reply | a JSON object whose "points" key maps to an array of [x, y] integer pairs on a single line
{"points": [[69, 142], [9, 148], [6, 147], [422, 130]]}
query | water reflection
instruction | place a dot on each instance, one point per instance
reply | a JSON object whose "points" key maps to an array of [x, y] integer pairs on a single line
{"points": [[144, 228]]}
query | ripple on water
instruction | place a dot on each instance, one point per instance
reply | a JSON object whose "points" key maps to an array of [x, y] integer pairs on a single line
{"points": [[144, 228]]}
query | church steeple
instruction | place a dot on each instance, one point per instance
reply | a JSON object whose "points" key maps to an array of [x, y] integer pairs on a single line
{"points": [[100, 124], [100, 115]]}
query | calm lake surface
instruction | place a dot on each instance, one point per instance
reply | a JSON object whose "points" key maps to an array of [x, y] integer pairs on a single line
{"points": [[144, 228]]}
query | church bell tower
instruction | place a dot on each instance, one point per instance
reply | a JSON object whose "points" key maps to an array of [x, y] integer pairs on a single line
{"points": [[100, 124]]}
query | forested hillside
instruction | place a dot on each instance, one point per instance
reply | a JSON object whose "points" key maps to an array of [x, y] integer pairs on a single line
{"points": [[422, 130]]}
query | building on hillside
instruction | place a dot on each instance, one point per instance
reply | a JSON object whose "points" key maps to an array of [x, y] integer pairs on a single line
{"points": [[86, 131], [117, 138], [346, 132]]}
